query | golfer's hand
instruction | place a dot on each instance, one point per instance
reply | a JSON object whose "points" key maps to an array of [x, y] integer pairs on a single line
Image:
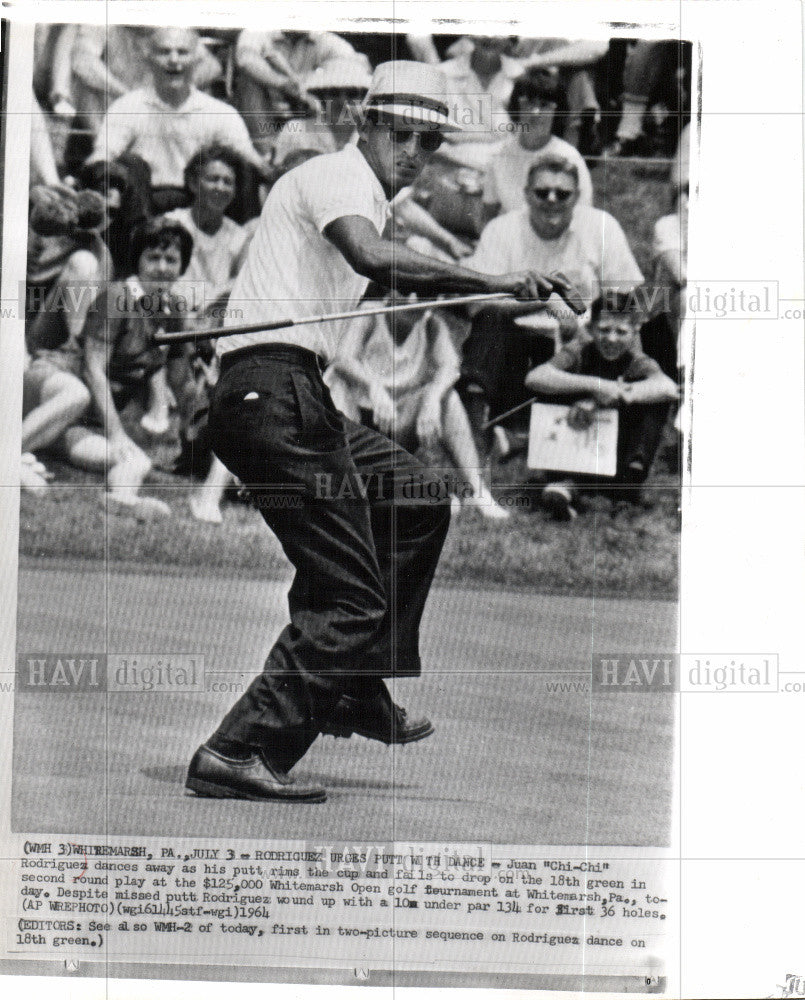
{"points": [[313, 103], [568, 292], [382, 408], [607, 393], [525, 285], [429, 422]]}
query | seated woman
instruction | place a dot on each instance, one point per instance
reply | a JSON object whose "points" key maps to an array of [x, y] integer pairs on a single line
{"points": [[538, 108], [68, 263], [121, 358], [219, 244], [397, 375], [211, 181]]}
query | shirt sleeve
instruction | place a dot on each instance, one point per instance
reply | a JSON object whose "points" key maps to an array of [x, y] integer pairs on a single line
{"points": [[250, 41], [332, 46], [116, 133], [331, 195], [619, 268], [666, 235], [230, 129], [641, 368]]}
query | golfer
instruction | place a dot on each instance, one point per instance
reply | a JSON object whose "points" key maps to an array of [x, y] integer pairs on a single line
{"points": [[364, 548]]}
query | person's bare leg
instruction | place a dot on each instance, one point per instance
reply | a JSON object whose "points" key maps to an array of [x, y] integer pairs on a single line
{"points": [[205, 502], [63, 401], [156, 419], [90, 451], [458, 440]]}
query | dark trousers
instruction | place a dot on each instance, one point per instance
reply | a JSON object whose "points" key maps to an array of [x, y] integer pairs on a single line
{"points": [[639, 433], [497, 356], [344, 502]]}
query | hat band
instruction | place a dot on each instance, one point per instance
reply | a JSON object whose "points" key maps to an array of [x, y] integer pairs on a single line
{"points": [[414, 100]]}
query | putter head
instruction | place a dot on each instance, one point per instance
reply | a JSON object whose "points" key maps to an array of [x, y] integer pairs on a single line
{"points": [[567, 292]]}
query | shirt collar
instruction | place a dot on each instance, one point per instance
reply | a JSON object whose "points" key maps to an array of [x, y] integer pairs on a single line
{"points": [[191, 104]]}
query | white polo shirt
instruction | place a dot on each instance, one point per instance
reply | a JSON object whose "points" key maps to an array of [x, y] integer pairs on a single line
{"points": [[593, 252], [167, 137], [292, 270], [215, 259]]}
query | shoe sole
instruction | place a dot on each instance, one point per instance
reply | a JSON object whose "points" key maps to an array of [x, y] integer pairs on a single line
{"points": [[209, 790], [558, 507], [412, 736]]}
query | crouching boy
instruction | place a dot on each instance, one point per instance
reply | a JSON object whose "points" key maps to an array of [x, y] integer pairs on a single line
{"points": [[608, 370]]}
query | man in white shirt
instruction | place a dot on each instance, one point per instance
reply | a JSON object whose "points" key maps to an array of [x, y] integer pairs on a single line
{"points": [[480, 83], [330, 489], [109, 60], [167, 121], [552, 232], [272, 70]]}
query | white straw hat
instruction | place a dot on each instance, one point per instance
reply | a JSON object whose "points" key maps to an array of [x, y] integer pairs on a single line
{"points": [[413, 91]]}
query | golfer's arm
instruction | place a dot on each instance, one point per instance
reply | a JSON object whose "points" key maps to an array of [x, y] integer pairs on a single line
{"points": [[508, 307], [552, 381], [394, 264]]}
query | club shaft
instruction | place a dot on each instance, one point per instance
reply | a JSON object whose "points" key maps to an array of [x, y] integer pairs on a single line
{"points": [[187, 336], [508, 413]]}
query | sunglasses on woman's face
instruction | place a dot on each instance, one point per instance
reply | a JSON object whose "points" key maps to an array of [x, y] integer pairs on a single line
{"points": [[561, 194], [429, 141]]}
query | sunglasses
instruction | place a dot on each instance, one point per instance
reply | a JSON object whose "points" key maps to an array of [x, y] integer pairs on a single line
{"points": [[561, 194], [429, 142]]}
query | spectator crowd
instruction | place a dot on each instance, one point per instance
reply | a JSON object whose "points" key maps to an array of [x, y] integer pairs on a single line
{"points": [[153, 150]]}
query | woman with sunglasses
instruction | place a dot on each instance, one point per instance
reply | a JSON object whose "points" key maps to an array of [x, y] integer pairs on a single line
{"points": [[538, 110]]}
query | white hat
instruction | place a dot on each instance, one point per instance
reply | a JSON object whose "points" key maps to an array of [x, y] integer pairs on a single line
{"points": [[413, 91], [340, 74]]}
